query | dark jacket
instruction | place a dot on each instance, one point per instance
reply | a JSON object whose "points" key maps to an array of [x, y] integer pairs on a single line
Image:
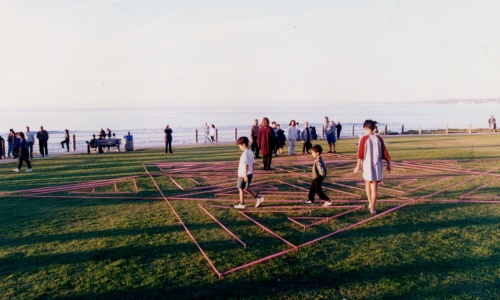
{"points": [[266, 140], [42, 135]]}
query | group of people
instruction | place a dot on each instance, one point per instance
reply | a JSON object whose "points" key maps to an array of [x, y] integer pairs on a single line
{"points": [[492, 123], [269, 139], [20, 146], [371, 152], [101, 136], [210, 133]]}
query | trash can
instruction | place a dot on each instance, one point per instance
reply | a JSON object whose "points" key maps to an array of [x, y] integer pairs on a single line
{"points": [[129, 142]]}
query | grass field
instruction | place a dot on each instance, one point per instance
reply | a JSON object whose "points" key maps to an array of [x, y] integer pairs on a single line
{"points": [[102, 229]]}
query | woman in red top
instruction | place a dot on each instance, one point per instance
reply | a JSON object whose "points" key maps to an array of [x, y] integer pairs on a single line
{"points": [[265, 140]]}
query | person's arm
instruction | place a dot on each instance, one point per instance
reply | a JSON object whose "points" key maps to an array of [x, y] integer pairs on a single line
{"points": [[246, 172], [358, 165]]}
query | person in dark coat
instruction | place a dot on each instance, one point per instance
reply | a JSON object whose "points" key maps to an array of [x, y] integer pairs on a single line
{"points": [[24, 153], [43, 137], [168, 139], [266, 139], [339, 128]]}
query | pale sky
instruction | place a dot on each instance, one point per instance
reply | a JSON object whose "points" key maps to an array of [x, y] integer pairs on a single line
{"points": [[71, 54]]}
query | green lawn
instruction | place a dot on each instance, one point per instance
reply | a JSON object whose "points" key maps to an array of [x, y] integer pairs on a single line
{"points": [[64, 247]]}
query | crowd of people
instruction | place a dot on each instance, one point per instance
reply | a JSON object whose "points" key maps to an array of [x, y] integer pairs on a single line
{"points": [[20, 146], [269, 138]]}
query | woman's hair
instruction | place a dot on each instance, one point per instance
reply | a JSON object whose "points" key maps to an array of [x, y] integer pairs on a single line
{"points": [[265, 121], [370, 124], [292, 121], [21, 135], [213, 126]]}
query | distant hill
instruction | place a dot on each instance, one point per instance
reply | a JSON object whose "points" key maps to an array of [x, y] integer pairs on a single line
{"points": [[464, 101]]}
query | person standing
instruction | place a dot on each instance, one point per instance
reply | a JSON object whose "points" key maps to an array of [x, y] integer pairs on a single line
{"points": [[66, 140], [15, 145], [43, 138], [280, 139], [491, 120], [10, 142], [292, 137], [330, 135], [371, 151], [254, 131], [23, 154], [207, 132], [30, 138], [305, 137], [212, 133], [2, 146], [265, 140], [339, 129], [168, 139]]}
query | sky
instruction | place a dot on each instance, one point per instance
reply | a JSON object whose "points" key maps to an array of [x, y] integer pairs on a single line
{"points": [[73, 54]]}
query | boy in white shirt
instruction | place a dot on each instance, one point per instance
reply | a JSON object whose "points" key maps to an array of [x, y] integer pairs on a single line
{"points": [[245, 170]]}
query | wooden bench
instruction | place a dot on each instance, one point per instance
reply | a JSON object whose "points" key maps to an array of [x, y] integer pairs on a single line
{"points": [[99, 144]]}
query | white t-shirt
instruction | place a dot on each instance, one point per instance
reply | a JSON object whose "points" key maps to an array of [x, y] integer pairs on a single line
{"points": [[246, 158]]}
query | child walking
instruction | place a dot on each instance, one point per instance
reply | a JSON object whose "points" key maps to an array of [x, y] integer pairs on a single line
{"points": [[319, 174], [24, 154], [245, 170], [371, 151]]}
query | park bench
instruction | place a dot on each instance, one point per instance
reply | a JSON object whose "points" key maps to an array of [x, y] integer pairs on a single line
{"points": [[116, 143]]}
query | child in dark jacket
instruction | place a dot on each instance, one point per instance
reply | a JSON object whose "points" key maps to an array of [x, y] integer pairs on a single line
{"points": [[319, 174]]}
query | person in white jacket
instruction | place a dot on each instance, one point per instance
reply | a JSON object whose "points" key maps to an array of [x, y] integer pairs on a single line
{"points": [[292, 137]]}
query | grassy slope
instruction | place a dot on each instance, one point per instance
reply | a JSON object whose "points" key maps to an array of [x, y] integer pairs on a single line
{"points": [[68, 248]]}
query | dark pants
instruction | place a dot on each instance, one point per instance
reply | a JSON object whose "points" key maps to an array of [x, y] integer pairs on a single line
{"points": [[338, 134], [168, 146], [42, 145], [305, 148], [266, 159], [67, 144], [316, 189], [24, 157], [255, 147], [30, 147]]}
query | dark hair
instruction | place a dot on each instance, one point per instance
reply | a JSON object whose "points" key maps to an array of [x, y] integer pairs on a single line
{"points": [[291, 123], [21, 134], [242, 141], [317, 148], [370, 124], [265, 121]]}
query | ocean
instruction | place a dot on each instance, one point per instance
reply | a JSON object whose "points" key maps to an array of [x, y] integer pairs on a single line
{"points": [[147, 125]]}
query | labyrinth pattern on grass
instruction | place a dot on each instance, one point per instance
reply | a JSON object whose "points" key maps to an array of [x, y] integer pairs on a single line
{"points": [[282, 225]]}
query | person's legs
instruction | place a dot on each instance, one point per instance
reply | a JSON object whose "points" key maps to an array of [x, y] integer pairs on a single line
{"points": [[269, 159], [67, 146], [9, 150], [368, 194], [303, 147], [373, 196], [242, 196], [170, 146], [166, 146], [30, 147], [20, 164], [312, 190], [319, 190], [40, 148]]}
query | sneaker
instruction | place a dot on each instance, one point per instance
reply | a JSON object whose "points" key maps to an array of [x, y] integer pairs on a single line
{"points": [[327, 203], [16, 170], [259, 201], [240, 206], [374, 212], [307, 202], [29, 171]]}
